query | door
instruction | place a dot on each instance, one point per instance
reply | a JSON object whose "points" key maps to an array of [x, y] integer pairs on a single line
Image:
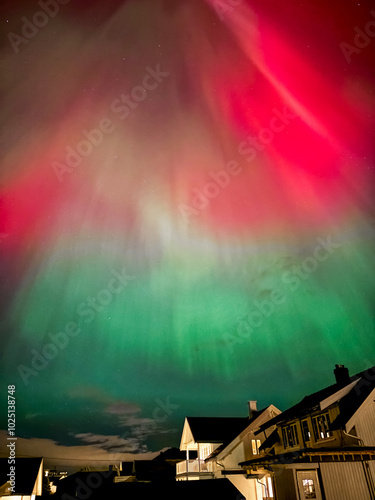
{"points": [[308, 485]]}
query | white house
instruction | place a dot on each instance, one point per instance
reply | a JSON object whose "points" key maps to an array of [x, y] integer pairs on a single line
{"points": [[220, 443], [25, 481], [245, 446]]}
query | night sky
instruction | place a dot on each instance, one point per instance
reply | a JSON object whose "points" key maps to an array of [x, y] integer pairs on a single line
{"points": [[187, 215]]}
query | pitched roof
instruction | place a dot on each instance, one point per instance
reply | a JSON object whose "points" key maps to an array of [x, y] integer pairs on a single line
{"points": [[216, 429], [149, 470], [349, 402], [27, 470], [220, 448], [79, 481], [171, 454], [272, 439]]}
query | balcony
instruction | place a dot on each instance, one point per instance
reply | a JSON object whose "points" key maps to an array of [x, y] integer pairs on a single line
{"points": [[194, 467]]}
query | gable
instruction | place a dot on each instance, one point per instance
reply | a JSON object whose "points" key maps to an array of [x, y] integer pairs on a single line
{"points": [[349, 397], [216, 429], [29, 472], [253, 424], [187, 439], [335, 397], [364, 413]]}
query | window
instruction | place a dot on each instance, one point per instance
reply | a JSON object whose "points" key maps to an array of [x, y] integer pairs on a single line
{"points": [[306, 431], [321, 426], [205, 450], [308, 488], [256, 445], [270, 488], [264, 489], [290, 436]]}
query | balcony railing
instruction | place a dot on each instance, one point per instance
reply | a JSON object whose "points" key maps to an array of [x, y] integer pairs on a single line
{"points": [[195, 466]]}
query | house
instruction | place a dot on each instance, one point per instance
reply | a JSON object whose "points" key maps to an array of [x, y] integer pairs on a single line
{"points": [[245, 446], [202, 435], [324, 446], [146, 471], [170, 455], [221, 443], [162, 468], [53, 476], [25, 480], [83, 484], [221, 489]]}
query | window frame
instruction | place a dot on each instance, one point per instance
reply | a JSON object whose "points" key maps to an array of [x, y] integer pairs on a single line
{"points": [[306, 430], [255, 445], [205, 449], [290, 435], [321, 434]]}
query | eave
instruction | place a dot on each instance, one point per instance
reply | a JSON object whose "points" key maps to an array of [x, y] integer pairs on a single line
{"points": [[315, 455]]}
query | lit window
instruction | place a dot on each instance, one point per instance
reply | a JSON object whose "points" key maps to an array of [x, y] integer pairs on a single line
{"points": [[306, 430], [321, 426], [256, 445], [205, 450], [308, 488], [290, 436], [270, 489]]}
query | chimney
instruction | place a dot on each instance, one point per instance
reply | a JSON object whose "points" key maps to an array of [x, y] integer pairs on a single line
{"points": [[252, 408], [342, 375]]}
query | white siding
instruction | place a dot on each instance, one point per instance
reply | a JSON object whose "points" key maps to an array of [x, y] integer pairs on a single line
{"points": [[236, 456], [344, 481], [247, 487], [372, 470], [364, 424]]}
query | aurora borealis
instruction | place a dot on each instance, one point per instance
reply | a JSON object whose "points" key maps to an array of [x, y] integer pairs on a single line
{"points": [[186, 211]]}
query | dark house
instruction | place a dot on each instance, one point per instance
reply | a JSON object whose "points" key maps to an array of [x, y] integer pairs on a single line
{"points": [[83, 484], [220, 489]]}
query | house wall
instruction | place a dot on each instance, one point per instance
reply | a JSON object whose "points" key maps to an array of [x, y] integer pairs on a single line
{"points": [[364, 424], [372, 471], [344, 481], [247, 487], [230, 462], [242, 452], [334, 440], [284, 482], [248, 448], [38, 487], [236, 456], [18, 497]]}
